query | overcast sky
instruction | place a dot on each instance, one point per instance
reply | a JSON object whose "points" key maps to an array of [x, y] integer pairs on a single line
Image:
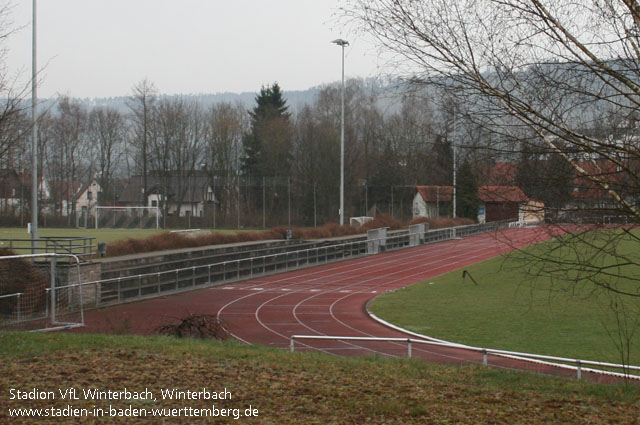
{"points": [[102, 48]]}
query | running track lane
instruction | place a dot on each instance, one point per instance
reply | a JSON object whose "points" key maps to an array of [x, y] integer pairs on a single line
{"points": [[327, 300]]}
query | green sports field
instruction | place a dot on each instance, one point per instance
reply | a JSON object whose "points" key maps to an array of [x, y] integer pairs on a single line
{"points": [[509, 309]]}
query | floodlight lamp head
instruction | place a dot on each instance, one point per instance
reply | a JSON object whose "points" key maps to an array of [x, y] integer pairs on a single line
{"points": [[341, 42]]}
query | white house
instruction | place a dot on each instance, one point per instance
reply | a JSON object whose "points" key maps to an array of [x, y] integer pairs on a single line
{"points": [[188, 196], [86, 201], [432, 201]]}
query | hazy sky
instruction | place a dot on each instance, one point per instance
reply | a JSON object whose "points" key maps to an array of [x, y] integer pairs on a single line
{"points": [[102, 48]]}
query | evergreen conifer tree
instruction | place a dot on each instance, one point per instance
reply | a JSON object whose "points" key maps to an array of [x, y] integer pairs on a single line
{"points": [[467, 192], [270, 136], [267, 147]]}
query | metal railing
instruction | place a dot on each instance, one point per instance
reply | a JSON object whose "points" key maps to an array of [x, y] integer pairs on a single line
{"points": [[579, 363], [49, 304], [129, 288], [122, 289], [81, 247]]}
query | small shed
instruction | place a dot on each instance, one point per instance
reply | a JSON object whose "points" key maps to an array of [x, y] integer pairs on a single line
{"points": [[432, 201], [498, 203]]}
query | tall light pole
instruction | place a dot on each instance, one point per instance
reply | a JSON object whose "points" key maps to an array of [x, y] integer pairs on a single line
{"points": [[342, 43], [455, 183], [34, 141]]}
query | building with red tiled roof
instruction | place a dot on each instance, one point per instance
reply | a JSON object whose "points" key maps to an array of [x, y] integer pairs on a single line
{"points": [[501, 194], [501, 203], [497, 203]]}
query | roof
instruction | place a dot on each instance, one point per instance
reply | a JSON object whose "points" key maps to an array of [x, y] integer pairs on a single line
{"points": [[65, 189], [193, 187], [501, 194], [584, 188], [436, 193], [496, 174]]}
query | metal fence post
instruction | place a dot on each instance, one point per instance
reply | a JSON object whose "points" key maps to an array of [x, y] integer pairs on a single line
{"points": [[292, 345], [193, 276], [409, 347], [485, 357], [53, 288], [18, 307], [579, 370]]}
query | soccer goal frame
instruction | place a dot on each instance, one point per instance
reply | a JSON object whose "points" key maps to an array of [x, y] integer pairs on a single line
{"points": [[51, 308], [139, 212]]}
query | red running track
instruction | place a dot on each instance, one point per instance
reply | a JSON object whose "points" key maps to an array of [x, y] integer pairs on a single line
{"points": [[327, 300]]}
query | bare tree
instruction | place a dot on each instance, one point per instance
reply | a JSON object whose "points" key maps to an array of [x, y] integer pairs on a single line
{"points": [[540, 63], [13, 123], [226, 126], [316, 152], [546, 66], [107, 131], [67, 154], [567, 74], [142, 104], [175, 148]]}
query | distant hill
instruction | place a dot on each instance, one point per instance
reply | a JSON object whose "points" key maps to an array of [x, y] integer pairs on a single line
{"points": [[296, 99]]}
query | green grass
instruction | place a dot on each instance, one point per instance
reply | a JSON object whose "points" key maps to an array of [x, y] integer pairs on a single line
{"points": [[299, 388], [508, 309]]}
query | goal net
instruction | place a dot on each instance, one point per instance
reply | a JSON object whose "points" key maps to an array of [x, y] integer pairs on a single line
{"points": [[128, 217], [36, 292]]}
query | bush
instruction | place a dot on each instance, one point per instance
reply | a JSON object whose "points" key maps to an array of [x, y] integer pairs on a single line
{"points": [[166, 241], [20, 276], [196, 326]]}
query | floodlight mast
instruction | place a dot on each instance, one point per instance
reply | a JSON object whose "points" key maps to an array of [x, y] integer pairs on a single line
{"points": [[34, 141], [342, 43]]}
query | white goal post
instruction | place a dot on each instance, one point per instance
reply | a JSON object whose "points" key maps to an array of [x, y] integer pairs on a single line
{"points": [[127, 217]]}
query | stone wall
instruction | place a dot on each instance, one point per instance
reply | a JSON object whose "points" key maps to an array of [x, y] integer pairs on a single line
{"points": [[85, 272]]}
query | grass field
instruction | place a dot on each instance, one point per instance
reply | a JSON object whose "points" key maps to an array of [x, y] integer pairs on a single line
{"points": [[286, 388], [510, 310]]}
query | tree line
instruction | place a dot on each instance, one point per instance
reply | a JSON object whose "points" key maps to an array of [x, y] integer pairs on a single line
{"points": [[269, 165]]}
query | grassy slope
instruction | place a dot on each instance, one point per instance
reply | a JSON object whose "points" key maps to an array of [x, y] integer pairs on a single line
{"points": [[296, 388], [508, 310]]}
